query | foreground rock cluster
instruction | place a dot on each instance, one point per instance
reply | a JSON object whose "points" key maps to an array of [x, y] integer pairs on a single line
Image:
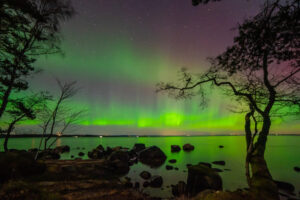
{"points": [[102, 176]]}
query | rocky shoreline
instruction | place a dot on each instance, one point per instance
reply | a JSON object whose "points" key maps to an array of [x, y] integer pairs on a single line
{"points": [[103, 176]]}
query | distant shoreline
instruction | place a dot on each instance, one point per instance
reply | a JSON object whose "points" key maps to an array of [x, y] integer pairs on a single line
{"points": [[39, 135]]}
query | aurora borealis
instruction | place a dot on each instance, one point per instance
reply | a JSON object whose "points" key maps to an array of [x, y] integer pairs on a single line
{"points": [[119, 50]]}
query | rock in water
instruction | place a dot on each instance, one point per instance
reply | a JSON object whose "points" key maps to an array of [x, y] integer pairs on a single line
{"points": [[175, 148], [205, 163], [100, 147], [200, 178], [188, 147], [49, 154], [217, 169], [138, 147], [169, 167], [156, 181], [221, 162], [119, 155], [152, 156], [288, 187], [80, 154], [297, 169], [62, 149], [145, 175], [146, 184], [97, 153], [179, 189]]}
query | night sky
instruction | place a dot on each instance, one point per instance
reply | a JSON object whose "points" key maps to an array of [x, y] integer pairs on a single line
{"points": [[118, 50]]}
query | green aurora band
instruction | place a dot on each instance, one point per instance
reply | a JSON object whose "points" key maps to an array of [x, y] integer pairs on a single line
{"points": [[117, 74]]}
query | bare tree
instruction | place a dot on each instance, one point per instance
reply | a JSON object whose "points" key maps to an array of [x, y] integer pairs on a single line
{"points": [[262, 72], [57, 116], [69, 120]]}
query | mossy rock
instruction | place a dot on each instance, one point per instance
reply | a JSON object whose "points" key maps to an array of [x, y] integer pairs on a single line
{"points": [[201, 177]]}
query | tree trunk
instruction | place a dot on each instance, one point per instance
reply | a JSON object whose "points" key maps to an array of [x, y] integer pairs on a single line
{"points": [[262, 183], [5, 100], [45, 144], [9, 130], [260, 145], [247, 164], [248, 143]]}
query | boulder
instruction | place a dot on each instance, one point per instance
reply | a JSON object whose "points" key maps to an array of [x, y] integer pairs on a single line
{"points": [[146, 184], [136, 185], [221, 146], [132, 160], [118, 167], [100, 147], [172, 161], [138, 147], [297, 169], [117, 148], [108, 151], [62, 149], [179, 189], [97, 153], [145, 175], [202, 177], [49, 154], [287, 187], [80, 154], [221, 162], [156, 181], [175, 148], [152, 156], [217, 169], [119, 155], [205, 163], [188, 147], [169, 167]]}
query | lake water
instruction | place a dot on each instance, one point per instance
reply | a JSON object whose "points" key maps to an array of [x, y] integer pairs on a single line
{"points": [[282, 155]]}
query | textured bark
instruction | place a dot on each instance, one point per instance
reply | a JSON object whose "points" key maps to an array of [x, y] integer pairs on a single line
{"points": [[262, 183], [9, 130], [5, 100]]}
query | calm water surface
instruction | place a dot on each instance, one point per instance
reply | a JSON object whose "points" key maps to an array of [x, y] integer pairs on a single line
{"points": [[282, 155]]}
